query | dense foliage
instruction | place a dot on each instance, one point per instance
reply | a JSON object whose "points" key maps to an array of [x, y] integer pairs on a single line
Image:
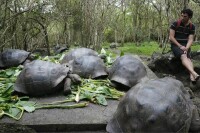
{"points": [[44, 23]]}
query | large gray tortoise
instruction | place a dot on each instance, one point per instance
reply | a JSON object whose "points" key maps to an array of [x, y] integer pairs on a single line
{"points": [[89, 67], [160, 105], [14, 57], [40, 78], [126, 71], [78, 52]]}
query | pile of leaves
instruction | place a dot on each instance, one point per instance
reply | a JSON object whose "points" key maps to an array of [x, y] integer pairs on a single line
{"points": [[94, 91]]}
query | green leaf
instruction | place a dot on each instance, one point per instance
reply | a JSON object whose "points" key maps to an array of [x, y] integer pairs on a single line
{"points": [[7, 92], [62, 56], [82, 97], [4, 106], [104, 90], [77, 98], [101, 100], [29, 108], [10, 72], [26, 103], [46, 58], [4, 99], [92, 85], [1, 113], [15, 112], [103, 51], [122, 53], [3, 74], [17, 72], [108, 60], [88, 95]]}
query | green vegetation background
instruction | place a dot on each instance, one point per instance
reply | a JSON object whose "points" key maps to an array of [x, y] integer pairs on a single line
{"points": [[146, 48]]}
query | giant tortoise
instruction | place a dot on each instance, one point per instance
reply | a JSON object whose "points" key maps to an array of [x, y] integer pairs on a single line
{"points": [[14, 57], [42, 77], [126, 71], [89, 67], [159, 105], [78, 52]]}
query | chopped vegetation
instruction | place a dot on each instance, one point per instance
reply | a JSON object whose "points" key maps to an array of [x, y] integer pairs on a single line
{"points": [[96, 91]]}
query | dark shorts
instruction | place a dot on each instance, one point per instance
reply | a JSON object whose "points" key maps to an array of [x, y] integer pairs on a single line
{"points": [[178, 52]]}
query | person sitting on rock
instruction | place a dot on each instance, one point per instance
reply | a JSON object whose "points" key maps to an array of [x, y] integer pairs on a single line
{"points": [[181, 36]]}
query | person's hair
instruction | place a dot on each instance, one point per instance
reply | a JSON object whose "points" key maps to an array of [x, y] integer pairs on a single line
{"points": [[187, 11]]}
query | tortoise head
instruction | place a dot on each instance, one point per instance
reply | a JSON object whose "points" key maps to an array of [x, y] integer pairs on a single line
{"points": [[29, 59], [32, 57], [69, 66]]}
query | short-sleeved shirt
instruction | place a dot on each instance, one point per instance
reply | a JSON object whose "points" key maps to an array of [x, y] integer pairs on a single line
{"points": [[181, 35], [182, 32]]}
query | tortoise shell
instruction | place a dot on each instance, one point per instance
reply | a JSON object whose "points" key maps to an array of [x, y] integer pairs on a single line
{"points": [[89, 67], [127, 71], [160, 105], [78, 52], [13, 57], [40, 78]]}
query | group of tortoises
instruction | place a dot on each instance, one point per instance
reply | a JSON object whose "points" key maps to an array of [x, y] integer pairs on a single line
{"points": [[159, 105], [42, 77]]}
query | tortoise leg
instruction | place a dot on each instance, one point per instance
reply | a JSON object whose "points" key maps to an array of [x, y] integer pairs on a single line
{"points": [[195, 123], [67, 86], [75, 78]]}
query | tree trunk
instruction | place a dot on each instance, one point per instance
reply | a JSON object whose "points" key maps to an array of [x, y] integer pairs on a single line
{"points": [[46, 39]]}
